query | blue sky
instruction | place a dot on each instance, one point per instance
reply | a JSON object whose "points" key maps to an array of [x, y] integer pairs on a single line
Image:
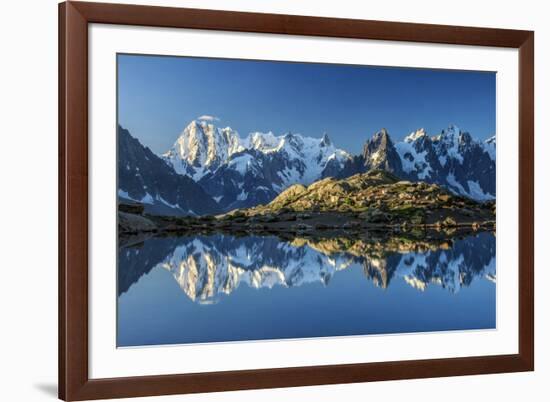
{"points": [[158, 96]]}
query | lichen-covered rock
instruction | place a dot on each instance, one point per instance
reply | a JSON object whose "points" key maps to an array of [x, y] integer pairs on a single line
{"points": [[133, 223], [376, 198]]}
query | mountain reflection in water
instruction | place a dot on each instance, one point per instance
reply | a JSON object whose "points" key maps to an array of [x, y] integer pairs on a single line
{"points": [[207, 266], [211, 269]]}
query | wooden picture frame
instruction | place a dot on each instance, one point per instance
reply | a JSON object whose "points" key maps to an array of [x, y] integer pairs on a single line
{"points": [[74, 381]]}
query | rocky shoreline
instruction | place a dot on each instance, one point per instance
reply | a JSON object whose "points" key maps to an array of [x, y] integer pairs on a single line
{"points": [[373, 202], [136, 227]]}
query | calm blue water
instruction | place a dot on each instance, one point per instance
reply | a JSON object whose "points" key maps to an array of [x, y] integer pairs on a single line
{"points": [[225, 288]]}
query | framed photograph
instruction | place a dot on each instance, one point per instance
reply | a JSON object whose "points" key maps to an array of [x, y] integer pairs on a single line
{"points": [[259, 200]]}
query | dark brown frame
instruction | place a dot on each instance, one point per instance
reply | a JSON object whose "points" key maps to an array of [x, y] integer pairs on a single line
{"points": [[74, 17]]}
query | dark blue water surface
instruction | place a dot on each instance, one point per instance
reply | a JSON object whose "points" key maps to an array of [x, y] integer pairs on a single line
{"points": [[224, 288]]}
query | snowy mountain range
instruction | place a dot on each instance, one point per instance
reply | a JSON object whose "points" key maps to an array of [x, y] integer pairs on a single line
{"points": [[238, 172], [244, 172], [208, 267], [452, 159]]}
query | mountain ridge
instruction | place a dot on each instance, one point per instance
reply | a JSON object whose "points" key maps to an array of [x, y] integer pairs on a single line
{"points": [[145, 178], [231, 172], [451, 158], [373, 198], [242, 172]]}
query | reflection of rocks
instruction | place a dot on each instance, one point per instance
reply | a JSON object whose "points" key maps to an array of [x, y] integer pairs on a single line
{"points": [[137, 260], [380, 270], [372, 246], [207, 267]]}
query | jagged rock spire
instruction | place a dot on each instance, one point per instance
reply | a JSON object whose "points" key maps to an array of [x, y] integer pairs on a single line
{"points": [[379, 153], [325, 141]]}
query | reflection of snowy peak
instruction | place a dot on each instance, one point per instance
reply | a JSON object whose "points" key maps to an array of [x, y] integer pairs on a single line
{"points": [[451, 269], [241, 173], [207, 267]]}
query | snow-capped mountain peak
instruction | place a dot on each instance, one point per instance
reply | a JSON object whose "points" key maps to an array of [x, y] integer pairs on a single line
{"points": [[490, 146], [416, 135], [451, 132], [452, 158], [447, 145], [263, 142], [201, 147], [325, 141]]}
